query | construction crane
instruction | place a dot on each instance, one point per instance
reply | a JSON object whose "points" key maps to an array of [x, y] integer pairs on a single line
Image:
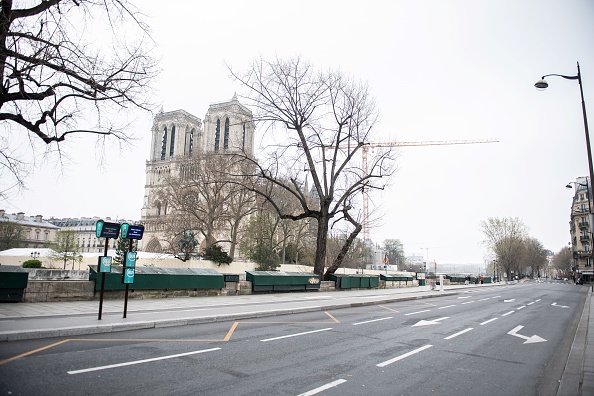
{"points": [[365, 150]]}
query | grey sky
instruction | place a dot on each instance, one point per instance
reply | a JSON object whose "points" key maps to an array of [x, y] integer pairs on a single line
{"points": [[440, 70]]}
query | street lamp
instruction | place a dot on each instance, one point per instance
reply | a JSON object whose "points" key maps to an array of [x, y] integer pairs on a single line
{"points": [[542, 84], [35, 255]]}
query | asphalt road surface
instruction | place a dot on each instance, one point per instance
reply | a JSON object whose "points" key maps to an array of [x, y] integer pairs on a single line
{"points": [[509, 340]]}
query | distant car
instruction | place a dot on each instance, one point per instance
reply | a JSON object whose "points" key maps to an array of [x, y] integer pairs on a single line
{"points": [[579, 281]]}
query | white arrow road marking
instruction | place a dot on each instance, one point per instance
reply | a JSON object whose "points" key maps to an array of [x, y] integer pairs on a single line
{"points": [[429, 322], [560, 306], [513, 299], [529, 340], [397, 358]]}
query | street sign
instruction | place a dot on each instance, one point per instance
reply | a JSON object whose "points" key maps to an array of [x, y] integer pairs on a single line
{"points": [[135, 232], [107, 230], [124, 230], [129, 275], [105, 263], [131, 259]]}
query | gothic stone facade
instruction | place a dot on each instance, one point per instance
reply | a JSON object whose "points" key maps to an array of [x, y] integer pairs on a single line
{"points": [[176, 136]]}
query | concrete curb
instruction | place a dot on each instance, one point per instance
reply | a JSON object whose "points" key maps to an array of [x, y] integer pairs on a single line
{"points": [[571, 380], [153, 324]]}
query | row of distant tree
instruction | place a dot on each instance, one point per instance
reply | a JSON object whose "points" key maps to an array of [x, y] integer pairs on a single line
{"points": [[515, 252]]}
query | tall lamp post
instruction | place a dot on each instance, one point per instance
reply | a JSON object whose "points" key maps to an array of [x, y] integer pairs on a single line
{"points": [[542, 84]]}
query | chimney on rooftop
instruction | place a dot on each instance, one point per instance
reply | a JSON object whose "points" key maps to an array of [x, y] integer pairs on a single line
{"points": [[20, 215]]}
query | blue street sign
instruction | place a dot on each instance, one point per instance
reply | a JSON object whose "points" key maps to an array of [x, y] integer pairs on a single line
{"points": [[105, 263], [131, 259], [135, 232]]}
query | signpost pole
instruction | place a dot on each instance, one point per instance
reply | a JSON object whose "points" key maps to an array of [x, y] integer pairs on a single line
{"points": [[102, 282], [127, 284]]}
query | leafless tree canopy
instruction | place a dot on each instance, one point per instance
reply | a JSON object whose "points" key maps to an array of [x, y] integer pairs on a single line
{"points": [[65, 66], [506, 238], [316, 125]]}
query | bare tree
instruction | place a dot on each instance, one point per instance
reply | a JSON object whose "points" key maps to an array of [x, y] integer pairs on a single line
{"points": [[315, 124], [58, 79], [203, 198], [563, 262], [11, 235], [505, 237], [534, 256]]}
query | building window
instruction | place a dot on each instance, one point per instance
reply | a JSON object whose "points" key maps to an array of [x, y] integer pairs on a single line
{"points": [[191, 142], [164, 143], [243, 138], [172, 145], [226, 136], [159, 209], [217, 135], [36, 235]]}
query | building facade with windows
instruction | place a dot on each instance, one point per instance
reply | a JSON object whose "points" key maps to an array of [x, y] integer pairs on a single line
{"points": [[178, 136], [85, 232], [580, 227], [37, 232]]}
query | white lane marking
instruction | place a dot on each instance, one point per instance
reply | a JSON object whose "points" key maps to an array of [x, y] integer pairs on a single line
{"points": [[537, 300], [323, 387], [464, 297], [561, 306], [397, 358], [140, 361], [414, 313], [496, 297], [483, 299], [467, 302], [521, 307], [489, 321], [458, 333], [508, 313], [429, 322], [447, 306], [530, 303], [373, 320], [510, 300], [295, 335]]}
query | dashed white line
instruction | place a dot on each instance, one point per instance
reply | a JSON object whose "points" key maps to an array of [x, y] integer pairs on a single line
{"points": [[530, 303], [483, 299], [447, 306], [414, 313], [467, 302], [537, 300], [489, 321], [296, 334], [508, 313], [323, 387], [373, 320], [522, 307], [140, 361], [458, 333], [397, 358]]}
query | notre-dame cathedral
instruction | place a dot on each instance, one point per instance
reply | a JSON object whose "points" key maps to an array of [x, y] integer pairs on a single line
{"points": [[176, 136]]}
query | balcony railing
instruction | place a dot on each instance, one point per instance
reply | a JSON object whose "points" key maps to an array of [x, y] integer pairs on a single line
{"points": [[583, 224], [584, 238]]}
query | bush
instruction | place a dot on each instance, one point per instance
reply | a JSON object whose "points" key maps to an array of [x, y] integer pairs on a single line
{"points": [[31, 264], [216, 254]]}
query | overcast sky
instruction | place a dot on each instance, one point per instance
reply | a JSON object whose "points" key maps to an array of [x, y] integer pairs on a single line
{"points": [[439, 70]]}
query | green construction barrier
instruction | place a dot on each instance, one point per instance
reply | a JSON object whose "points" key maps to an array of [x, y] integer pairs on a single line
{"points": [[153, 278], [355, 281], [13, 282], [282, 281]]}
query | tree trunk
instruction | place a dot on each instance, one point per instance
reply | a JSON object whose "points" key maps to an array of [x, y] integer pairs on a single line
{"points": [[320, 259], [345, 249]]}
